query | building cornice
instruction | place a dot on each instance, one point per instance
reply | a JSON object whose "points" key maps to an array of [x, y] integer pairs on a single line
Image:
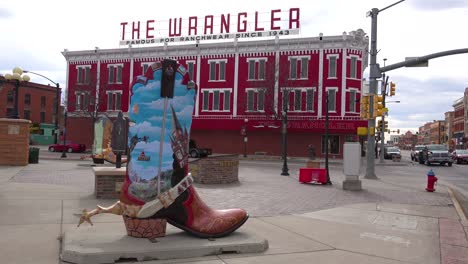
{"points": [[356, 42]]}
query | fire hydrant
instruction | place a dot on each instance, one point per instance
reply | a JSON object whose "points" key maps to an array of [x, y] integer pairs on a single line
{"points": [[431, 181]]}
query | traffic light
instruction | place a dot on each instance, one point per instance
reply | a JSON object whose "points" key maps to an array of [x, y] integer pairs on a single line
{"points": [[365, 107], [378, 106], [392, 88], [379, 126]]}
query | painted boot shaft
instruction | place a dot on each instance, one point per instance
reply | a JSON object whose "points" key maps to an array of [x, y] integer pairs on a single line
{"points": [[160, 119]]}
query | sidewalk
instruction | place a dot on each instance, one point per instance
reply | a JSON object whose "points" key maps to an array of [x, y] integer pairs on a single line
{"points": [[393, 220]]}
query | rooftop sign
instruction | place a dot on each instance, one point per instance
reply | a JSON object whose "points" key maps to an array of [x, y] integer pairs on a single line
{"points": [[225, 26]]}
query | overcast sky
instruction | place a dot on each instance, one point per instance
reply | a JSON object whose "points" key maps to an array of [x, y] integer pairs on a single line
{"points": [[34, 33]]}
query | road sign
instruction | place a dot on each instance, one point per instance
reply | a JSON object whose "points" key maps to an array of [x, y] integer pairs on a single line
{"points": [[422, 63]]}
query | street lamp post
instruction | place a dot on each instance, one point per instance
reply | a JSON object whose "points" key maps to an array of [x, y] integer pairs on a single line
{"points": [[64, 152], [284, 131], [17, 76], [326, 139], [57, 97], [244, 133]]}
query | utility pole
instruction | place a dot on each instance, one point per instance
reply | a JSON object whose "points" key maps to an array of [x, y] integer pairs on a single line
{"points": [[375, 73]]}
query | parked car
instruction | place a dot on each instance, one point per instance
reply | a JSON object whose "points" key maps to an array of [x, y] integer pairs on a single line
{"points": [[197, 152], [415, 152], [68, 147], [460, 156], [435, 154], [392, 152]]}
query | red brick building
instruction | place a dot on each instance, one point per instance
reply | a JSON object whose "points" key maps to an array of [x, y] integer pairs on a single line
{"points": [[459, 122], [36, 102], [241, 84]]}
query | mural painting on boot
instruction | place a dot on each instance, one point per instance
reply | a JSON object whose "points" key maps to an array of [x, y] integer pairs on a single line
{"points": [[158, 185]]}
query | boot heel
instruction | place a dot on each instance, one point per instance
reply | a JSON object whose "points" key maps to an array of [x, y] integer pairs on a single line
{"points": [[146, 227]]}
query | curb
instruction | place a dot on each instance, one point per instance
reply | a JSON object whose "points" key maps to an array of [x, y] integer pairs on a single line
{"points": [[458, 207]]}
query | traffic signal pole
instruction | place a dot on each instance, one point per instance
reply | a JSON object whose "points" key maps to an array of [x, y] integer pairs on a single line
{"points": [[382, 127], [373, 75], [376, 73]]}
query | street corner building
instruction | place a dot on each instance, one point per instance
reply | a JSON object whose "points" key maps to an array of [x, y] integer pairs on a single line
{"points": [[244, 87]]}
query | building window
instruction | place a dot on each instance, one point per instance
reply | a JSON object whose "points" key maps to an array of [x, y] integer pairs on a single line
{"points": [[115, 73], [332, 66], [84, 75], [220, 100], [43, 103], [82, 101], [299, 67], [309, 100], [191, 69], [255, 99], [285, 99], [250, 100], [251, 69], [261, 69], [352, 101], [297, 100], [333, 144], [331, 100], [10, 96], [256, 68], [222, 70], [215, 100], [304, 67], [9, 112], [145, 67], [42, 117], [212, 70], [293, 68], [261, 99], [206, 98], [114, 100], [227, 100], [27, 100], [27, 114], [353, 69], [217, 70]]}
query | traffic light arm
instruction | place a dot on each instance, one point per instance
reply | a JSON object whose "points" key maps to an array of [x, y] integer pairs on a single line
{"points": [[422, 59]]}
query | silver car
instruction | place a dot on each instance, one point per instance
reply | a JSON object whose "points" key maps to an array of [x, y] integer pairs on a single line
{"points": [[435, 154], [415, 152]]}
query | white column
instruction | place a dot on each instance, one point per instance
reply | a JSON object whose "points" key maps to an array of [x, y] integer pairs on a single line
{"points": [[197, 98], [132, 65], [320, 84], [275, 99], [98, 82], [343, 82], [236, 81]]}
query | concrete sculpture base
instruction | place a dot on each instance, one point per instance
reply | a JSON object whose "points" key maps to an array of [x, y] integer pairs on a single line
{"points": [[108, 243]]}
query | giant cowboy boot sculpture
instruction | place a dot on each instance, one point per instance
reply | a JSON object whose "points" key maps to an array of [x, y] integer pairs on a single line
{"points": [[158, 185]]}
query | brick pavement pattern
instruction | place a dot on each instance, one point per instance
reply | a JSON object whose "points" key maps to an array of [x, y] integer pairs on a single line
{"points": [[261, 190]]}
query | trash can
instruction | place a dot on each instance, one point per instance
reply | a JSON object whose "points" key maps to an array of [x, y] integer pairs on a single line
{"points": [[33, 155], [311, 152]]}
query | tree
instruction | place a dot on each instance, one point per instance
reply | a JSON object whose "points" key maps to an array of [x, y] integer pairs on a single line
{"points": [[90, 103], [274, 77]]}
